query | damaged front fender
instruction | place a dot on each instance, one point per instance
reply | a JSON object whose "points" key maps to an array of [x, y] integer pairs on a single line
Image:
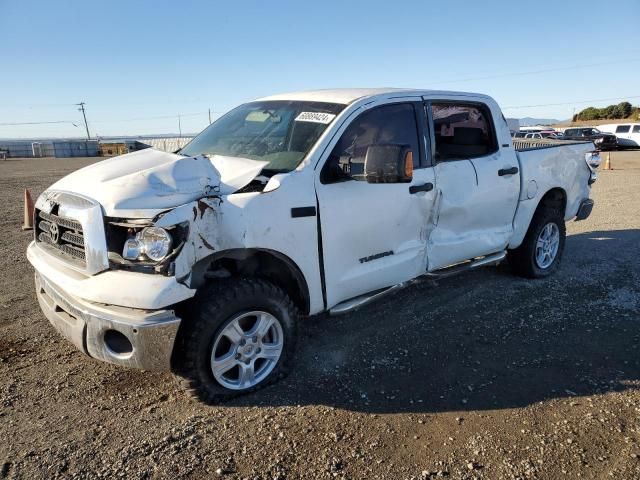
{"points": [[204, 235]]}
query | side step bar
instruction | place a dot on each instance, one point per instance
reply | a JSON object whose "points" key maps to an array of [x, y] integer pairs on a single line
{"points": [[358, 302], [492, 259], [367, 298]]}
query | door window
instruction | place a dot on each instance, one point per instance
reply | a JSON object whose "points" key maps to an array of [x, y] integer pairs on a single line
{"points": [[636, 129], [389, 124], [462, 131], [623, 129]]}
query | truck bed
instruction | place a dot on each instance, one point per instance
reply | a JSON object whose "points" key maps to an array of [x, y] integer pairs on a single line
{"points": [[521, 144], [547, 164]]}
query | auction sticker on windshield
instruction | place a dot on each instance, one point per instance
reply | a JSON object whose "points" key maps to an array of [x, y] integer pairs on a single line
{"points": [[316, 117]]}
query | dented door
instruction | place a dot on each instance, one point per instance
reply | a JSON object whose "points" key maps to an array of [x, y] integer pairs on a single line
{"points": [[477, 181], [373, 234]]}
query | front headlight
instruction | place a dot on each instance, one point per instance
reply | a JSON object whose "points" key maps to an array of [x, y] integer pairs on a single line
{"points": [[153, 243]]}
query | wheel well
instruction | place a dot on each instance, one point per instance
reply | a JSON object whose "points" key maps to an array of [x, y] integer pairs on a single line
{"points": [[267, 264], [555, 198]]}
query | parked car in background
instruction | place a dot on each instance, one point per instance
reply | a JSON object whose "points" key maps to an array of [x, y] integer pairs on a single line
{"points": [[628, 134], [602, 140], [552, 134]]}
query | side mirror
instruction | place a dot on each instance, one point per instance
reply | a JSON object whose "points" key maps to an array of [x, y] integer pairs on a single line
{"points": [[388, 164]]}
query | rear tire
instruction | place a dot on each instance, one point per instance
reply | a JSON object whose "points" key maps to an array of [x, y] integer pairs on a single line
{"points": [[238, 337], [541, 251]]}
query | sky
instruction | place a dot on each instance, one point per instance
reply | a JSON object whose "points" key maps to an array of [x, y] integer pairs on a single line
{"points": [[149, 67]]}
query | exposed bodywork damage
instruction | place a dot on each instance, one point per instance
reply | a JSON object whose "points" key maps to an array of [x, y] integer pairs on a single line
{"points": [[204, 236], [205, 243], [202, 207], [137, 183]]}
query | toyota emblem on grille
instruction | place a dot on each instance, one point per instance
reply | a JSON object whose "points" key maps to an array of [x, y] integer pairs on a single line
{"points": [[54, 232]]}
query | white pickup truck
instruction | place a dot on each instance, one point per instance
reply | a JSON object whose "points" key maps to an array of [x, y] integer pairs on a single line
{"points": [[204, 261]]}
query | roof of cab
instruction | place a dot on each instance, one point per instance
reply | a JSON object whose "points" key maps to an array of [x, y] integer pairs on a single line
{"points": [[350, 95]]}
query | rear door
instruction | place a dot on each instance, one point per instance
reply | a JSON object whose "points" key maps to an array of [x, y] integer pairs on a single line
{"points": [[373, 234], [635, 135], [623, 133], [477, 181]]}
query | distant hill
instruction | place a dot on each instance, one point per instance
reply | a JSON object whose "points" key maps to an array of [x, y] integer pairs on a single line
{"points": [[529, 121], [591, 123]]}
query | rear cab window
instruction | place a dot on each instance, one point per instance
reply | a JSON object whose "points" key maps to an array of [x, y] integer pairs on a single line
{"points": [[462, 130]]}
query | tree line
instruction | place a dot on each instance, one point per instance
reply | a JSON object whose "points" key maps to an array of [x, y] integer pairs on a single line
{"points": [[619, 111]]}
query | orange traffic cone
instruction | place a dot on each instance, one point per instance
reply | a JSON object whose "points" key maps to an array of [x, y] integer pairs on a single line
{"points": [[607, 162], [28, 211]]}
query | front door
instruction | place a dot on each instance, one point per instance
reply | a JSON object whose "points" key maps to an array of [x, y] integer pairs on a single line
{"points": [[373, 234], [477, 183]]}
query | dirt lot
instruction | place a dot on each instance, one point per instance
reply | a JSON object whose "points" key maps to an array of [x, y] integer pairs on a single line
{"points": [[482, 376]]}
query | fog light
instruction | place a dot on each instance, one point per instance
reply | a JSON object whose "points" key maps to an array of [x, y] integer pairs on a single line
{"points": [[117, 342]]}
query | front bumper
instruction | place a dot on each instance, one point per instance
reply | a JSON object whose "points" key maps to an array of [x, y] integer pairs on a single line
{"points": [[124, 336], [605, 143], [112, 287]]}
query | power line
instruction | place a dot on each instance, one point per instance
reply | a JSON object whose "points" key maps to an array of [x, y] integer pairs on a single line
{"points": [[159, 117], [37, 123], [571, 103], [536, 72]]}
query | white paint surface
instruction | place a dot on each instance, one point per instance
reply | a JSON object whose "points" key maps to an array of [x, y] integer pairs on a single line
{"points": [[470, 212], [143, 182]]}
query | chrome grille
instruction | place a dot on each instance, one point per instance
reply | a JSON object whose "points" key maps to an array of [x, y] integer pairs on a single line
{"points": [[64, 235]]}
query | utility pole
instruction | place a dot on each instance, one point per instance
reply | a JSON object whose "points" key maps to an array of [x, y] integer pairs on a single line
{"points": [[209, 116], [179, 126], [84, 115]]}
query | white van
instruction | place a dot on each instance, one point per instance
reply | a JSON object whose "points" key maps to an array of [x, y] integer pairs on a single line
{"points": [[628, 133]]}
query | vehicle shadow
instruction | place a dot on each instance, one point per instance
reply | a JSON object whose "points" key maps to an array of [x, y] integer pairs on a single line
{"points": [[482, 340]]}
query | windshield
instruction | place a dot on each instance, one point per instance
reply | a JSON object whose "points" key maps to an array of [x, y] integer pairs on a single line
{"points": [[278, 132]]}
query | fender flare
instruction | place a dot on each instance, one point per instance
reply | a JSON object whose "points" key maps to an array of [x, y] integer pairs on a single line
{"points": [[286, 270]]}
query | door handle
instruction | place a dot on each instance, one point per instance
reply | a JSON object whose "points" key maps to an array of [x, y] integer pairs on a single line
{"points": [[425, 187], [507, 171]]}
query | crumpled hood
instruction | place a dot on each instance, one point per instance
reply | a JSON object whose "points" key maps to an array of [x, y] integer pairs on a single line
{"points": [[151, 180]]}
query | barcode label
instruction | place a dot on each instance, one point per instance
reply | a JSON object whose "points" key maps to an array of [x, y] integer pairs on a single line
{"points": [[315, 117]]}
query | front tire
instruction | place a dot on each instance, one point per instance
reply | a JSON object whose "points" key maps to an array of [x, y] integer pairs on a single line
{"points": [[541, 251], [239, 337]]}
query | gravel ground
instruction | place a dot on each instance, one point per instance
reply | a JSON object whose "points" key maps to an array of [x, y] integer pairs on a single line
{"points": [[483, 375]]}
